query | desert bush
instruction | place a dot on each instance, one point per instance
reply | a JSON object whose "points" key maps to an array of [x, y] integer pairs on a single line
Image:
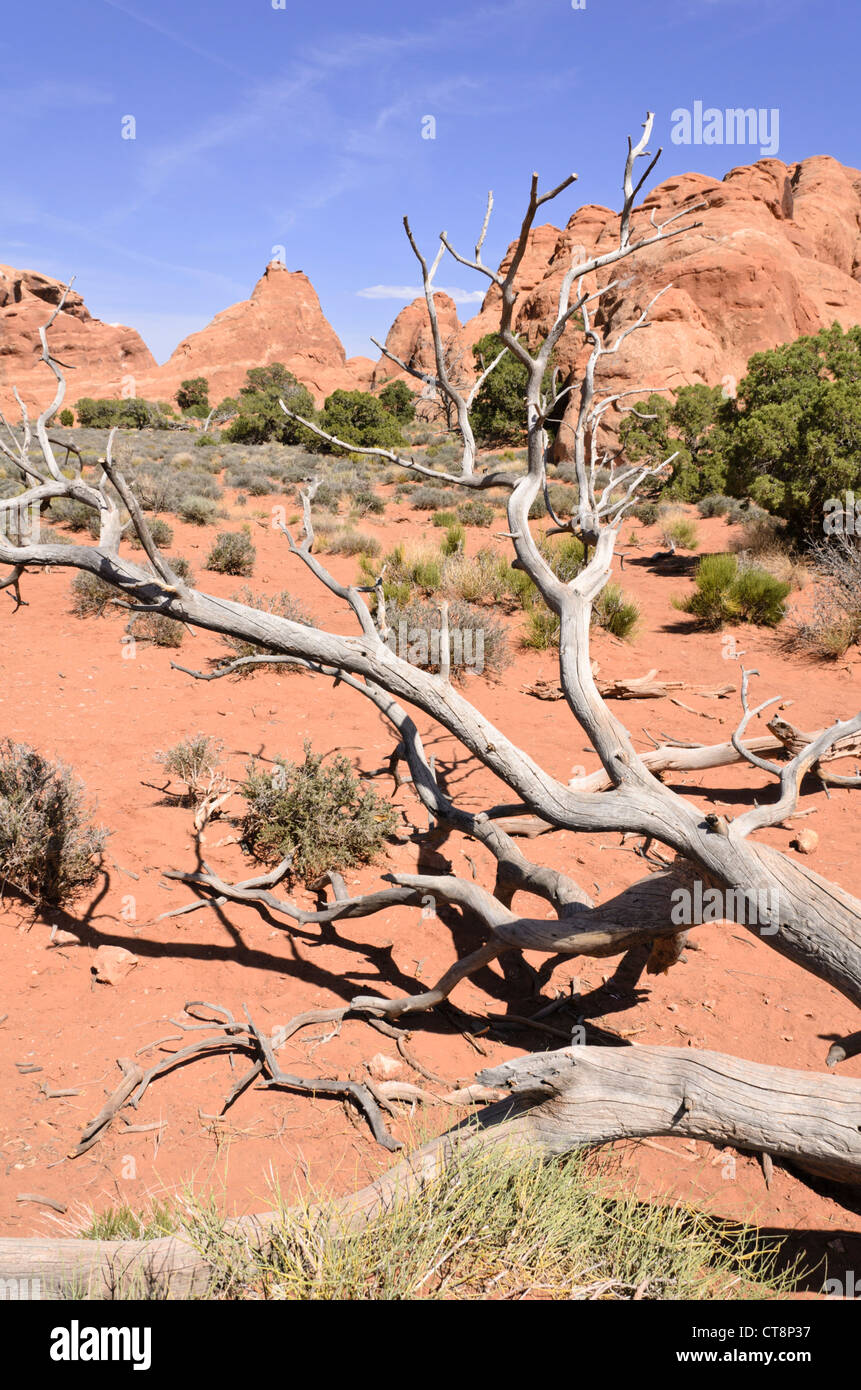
{"points": [[564, 554], [67, 419], [161, 532], [428, 499], [196, 762], [646, 512], [198, 511], [454, 539], [316, 813], [346, 541], [443, 518], [158, 629], [781, 563], [181, 568], [50, 850], [486, 577], [834, 623], [407, 567], [366, 500], [76, 515], [542, 629], [679, 531], [255, 484], [760, 532], [477, 640], [715, 504], [508, 1222], [475, 513], [232, 553], [157, 489], [91, 596], [613, 612], [726, 593]]}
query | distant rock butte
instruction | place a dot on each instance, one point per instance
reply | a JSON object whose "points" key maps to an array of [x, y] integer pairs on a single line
{"points": [[281, 322], [410, 339], [101, 354], [778, 255]]}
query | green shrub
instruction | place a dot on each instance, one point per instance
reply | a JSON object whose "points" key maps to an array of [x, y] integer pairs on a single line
{"points": [[232, 553], [443, 518], [199, 511], [614, 613], [399, 401], [727, 593], [67, 419], [160, 531], [193, 396], [317, 814], [357, 417], [49, 849], [542, 629], [454, 539], [679, 531], [499, 410], [475, 513], [258, 412], [611, 610]]}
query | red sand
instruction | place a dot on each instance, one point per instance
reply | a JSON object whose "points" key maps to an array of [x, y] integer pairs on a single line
{"points": [[67, 689]]}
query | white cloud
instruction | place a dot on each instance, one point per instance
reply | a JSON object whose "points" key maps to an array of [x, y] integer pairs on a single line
{"points": [[409, 292]]}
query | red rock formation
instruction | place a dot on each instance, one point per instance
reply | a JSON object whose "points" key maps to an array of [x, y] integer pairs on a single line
{"points": [[281, 322], [104, 355], [778, 255], [410, 338]]}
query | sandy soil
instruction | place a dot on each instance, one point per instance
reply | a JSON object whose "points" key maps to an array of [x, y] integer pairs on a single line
{"points": [[66, 688]]}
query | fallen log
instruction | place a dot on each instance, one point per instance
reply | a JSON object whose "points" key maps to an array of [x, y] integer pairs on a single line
{"points": [[557, 1102]]}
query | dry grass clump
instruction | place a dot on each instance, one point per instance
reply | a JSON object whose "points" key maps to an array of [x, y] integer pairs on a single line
{"points": [[834, 622]]}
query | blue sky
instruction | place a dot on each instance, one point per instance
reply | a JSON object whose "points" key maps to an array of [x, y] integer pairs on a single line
{"points": [[301, 127]]}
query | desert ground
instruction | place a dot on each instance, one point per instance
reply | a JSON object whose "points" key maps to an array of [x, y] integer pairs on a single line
{"points": [[72, 689]]}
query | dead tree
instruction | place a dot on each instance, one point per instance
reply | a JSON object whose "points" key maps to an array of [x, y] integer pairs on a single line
{"points": [[578, 1096]]}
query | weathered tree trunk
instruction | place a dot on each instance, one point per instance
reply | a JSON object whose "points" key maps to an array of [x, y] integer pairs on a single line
{"points": [[557, 1102]]}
